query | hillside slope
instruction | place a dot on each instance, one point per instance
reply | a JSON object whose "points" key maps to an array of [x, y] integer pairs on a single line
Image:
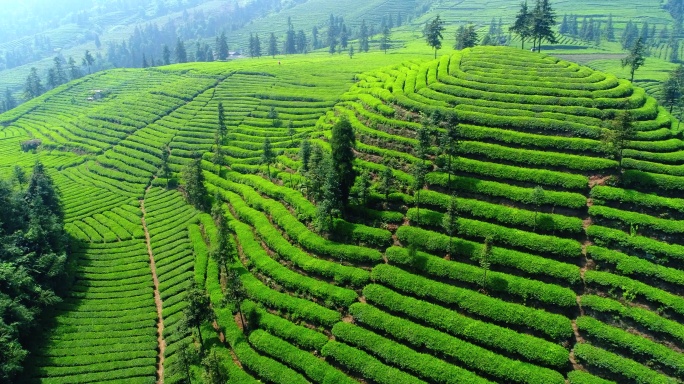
{"points": [[580, 280]]}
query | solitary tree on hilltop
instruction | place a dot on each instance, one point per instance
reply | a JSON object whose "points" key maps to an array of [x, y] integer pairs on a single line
{"points": [[342, 144], [636, 57], [433, 33]]}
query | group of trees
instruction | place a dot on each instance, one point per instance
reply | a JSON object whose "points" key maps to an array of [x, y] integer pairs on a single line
{"points": [[536, 24], [590, 29], [34, 269]]}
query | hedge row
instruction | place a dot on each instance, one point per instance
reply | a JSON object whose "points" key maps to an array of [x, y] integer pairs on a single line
{"points": [[631, 198], [554, 326], [650, 181], [505, 215], [528, 264], [674, 158], [252, 249], [496, 282], [633, 287], [297, 307], [639, 348], [316, 369], [652, 249], [421, 364], [657, 168], [617, 365], [494, 189], [201, 254], [536, 158], [627, 218], [653, 322], [468, 355], [368, 366], [299, 335], [272, 237], [296, 230], [526, 175], [635, 266], [543, 244], [570, 144], [528, 347]]}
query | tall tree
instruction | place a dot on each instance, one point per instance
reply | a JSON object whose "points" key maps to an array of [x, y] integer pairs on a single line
{"points": [[267, 156], [222, 46], [88, 60], [193, 178], [523, 24], [9, 102], [166, 55], [450, 222], [290, 39], [385, 39], [33, 87], [342, 144], [222, 130], [272, 45], [301, 42], [618, 135], [181, 53], [636, 58], [537, 198], [60, 74], [433, 33], [329, 203], [449, 143], [236, 293], [543, 21], [466, 37], [363, 37], [198, 311], [610, 30]]}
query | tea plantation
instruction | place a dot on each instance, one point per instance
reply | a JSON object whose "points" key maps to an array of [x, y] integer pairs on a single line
{"points": [[563, 265]]}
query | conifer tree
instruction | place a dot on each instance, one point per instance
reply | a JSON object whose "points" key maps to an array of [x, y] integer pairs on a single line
{"points": [[342, 144], [523, 23], [222, 46], [466, 37], [385, 39], [433, 33], [88, 60], [181, 53], [193, 178], [636, 58], [610, 30], [273, 45], [267, 156], [166, 55], [617, 136], [363, 37], [198, 311], [33, 87], [543, 21]]}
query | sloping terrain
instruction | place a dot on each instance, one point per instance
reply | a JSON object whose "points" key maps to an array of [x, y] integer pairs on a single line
{"points": [[550, 273]]}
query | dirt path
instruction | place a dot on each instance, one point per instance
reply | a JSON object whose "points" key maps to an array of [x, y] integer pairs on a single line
{"points": [[157, 299]]}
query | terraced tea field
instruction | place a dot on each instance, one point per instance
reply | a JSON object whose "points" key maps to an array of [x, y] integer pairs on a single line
{"points": [[554, 272]]}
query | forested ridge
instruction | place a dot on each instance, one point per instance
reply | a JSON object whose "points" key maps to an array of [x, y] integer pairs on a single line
{"points": [[34, 267]]}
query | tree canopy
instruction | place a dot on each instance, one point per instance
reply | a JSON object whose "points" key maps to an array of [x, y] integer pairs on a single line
{"points": [[34, 268], [433, 33]]}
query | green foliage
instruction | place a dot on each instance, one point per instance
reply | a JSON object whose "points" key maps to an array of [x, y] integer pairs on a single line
{"points": [[636, 57], [342, 145], [193, 180], [628, 369], [433, 33]]}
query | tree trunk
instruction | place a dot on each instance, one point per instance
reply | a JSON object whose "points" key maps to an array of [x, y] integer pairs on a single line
{"points": [[523, 43], [199, 335], [242, 317]]}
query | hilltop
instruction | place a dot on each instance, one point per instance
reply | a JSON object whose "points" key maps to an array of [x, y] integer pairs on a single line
{"points": [[560, 263]]}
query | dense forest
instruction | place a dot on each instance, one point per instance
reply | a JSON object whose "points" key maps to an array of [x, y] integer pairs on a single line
{"points": [[34, 267]]}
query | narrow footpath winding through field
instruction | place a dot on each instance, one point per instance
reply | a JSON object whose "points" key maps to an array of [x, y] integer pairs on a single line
{"points": [[157, 298]]}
